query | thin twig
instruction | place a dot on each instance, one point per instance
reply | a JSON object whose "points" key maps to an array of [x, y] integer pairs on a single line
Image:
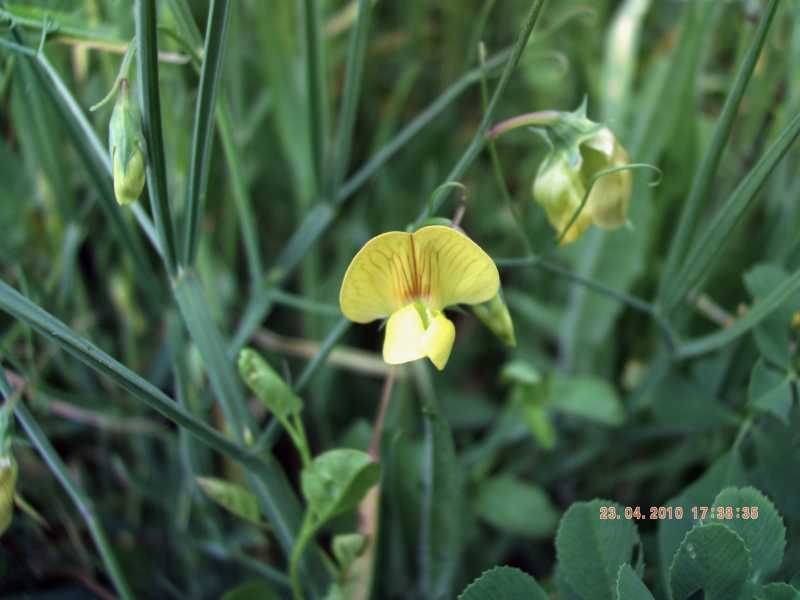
{"points": [[377, 431]]}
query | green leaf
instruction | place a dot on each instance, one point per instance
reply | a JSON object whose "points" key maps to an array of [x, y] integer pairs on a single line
{"points": [[268, 386], [251, 590], [590, 550], [712, 558], [588, 397], [770, 391], [726, 470], [520, 371], [336, 482], [764, 536], [503, 583], [629, 586], [777, 591], [516, 507], [234, 498]]}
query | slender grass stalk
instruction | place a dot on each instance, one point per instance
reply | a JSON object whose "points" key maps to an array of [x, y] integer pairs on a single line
{"points": [[356, 54], [81, 500], [191, 38], [325, 349], [147, 62], [317, 88], [203, 134], [704, 176]]}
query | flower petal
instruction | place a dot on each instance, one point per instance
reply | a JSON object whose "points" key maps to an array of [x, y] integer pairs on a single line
{"points": [[376, 276], [438, 340], [404, 334], [453, 268]]}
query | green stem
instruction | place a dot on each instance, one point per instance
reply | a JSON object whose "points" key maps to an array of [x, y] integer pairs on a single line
{"points": [[544, 117], [306, 534], [147, 59], [667, 333]]}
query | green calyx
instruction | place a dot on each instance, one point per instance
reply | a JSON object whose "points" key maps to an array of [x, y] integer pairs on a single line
{"points": [[126, 147]]}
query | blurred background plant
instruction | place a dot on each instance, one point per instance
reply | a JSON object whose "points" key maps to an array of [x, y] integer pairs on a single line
{"points": [[655, 365]]}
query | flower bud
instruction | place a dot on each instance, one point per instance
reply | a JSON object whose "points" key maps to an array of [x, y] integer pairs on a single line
{"points": [[8, 483], [125, 145], [494, 314], [582, 150]]}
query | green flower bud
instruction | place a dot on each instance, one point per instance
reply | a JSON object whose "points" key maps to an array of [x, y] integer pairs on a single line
{"points": [[126, 147], [494, 314], [581, 150], [8, 483]]}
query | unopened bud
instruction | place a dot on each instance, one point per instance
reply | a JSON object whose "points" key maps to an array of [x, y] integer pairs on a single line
{"points": [[8, 484], [126, 147], [494, 314], [582, 151]]}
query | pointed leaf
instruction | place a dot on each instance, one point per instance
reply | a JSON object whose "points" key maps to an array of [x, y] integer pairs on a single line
{"points": [[267, 385], [232, 497], [336, 482], [516, 507], [590, 549], [629, 586], [587, 397], [712, 558], [763, 532]]}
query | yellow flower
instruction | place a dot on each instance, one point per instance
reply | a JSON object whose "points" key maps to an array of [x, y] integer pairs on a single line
{"points": [[411, 278]]}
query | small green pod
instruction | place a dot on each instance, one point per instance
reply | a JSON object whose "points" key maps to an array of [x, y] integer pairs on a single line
{"points": [[8, 484], [126, 147]]}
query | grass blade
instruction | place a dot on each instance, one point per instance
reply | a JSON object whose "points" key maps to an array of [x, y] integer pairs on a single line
{"points": [[704, 177], [352, 88], [22, 309], [147, 63], [203, 134], [82, 502], [317, 91], [704, 254]]}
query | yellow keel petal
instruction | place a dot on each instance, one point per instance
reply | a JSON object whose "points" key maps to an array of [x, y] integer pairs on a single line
{"points": [[438, 340], [404, 333]]}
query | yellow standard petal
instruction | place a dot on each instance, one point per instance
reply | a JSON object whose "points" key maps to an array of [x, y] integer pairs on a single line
{"points": [[435, 265], [370, 286]]}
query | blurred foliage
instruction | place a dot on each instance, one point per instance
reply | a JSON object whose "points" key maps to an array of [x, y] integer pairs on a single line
{"points": [[655, 365]]}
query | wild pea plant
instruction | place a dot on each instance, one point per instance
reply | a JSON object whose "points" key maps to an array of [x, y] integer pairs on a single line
{"points": [[608, 295]]}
